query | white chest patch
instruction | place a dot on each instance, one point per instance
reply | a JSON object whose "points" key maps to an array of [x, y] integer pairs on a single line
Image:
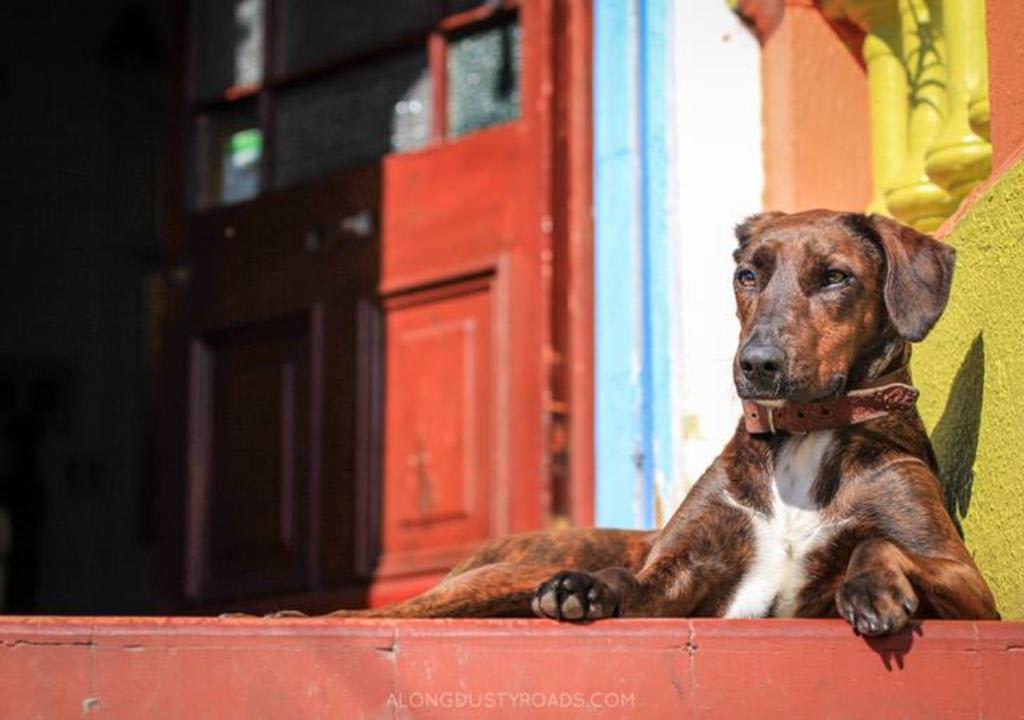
{"points": [[784, 538]]}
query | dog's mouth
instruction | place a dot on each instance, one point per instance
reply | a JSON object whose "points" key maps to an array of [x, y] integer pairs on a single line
{"points": [[789, 393]]}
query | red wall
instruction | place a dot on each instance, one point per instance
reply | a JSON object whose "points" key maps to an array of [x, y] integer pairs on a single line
{"points": [[817, 143], [1006, 76], [292, 669]]}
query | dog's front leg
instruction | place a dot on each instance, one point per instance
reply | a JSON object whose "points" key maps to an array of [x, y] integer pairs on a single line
{"points": [[700, 552], [876, 596], [885, 586]]}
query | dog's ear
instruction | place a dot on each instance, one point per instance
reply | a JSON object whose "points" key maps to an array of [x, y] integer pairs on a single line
{"points": [[747, 229], [918, 275]]}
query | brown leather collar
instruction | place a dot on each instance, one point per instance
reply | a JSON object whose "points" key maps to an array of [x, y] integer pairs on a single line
{"points": [[890, 393]]}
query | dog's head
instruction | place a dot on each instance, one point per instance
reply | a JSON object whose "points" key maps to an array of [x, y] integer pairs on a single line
{"points": [[826, 299]]}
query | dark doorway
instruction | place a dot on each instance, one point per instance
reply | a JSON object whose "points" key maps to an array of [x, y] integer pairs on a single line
{"points": [[83, 91]]}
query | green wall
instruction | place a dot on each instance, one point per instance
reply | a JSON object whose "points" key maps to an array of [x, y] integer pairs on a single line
{"points": [[971, 374]]}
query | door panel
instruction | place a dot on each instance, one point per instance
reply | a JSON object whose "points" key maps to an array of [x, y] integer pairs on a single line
{"points": [[275, 300], [251, 434], [438, 467], [452, 210]]}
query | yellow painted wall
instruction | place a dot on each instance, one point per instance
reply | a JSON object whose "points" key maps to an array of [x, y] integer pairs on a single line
{"points": [[971, 374]]}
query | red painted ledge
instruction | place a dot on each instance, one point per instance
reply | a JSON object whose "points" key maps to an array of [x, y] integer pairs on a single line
{"points": [[196, 668]]}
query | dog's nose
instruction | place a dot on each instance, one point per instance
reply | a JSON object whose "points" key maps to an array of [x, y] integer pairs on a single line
{"points": [[762, 362]]}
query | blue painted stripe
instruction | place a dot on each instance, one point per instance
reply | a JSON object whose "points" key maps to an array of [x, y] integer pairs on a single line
{"points": [[618, 312], [633, 432], [657, 265]]}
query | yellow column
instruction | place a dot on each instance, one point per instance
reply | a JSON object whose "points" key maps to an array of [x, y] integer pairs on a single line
{"points": [[912, 196], [887, 87], [958, 159], [977, 69], [978, 112]]}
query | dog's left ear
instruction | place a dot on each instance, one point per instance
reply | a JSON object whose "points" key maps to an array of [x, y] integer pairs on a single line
{"points": [[918, 275]]}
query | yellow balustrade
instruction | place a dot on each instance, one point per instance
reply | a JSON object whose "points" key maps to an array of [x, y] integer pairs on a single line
{"points": [[958, 159], [927, 75], [887, 88], [912, 196], [978, 112], [977, 68]]}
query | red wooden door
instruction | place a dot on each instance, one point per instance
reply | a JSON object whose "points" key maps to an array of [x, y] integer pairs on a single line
{"points": [[365, 352], [465, 303]]}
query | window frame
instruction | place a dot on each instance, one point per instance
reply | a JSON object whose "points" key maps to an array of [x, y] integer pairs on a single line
{"points": [[446, 28]]}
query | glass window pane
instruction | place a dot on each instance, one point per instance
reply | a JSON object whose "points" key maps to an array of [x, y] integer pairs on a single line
{"points": [[227, 45], [352, 117], [320, 31], [483, 78], [227, 150]]}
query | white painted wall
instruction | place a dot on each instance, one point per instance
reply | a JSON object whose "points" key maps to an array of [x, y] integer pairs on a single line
{"points": [[716, 179]]}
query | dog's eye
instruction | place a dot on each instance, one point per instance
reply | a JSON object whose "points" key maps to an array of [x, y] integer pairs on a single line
{"points": [[746, 278], [835, 277]]}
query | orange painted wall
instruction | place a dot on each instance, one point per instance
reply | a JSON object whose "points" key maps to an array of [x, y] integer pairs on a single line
{"points": [[817, 139], [1005, 26]]}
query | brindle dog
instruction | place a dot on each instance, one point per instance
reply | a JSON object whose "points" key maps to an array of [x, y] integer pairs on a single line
{"points": [[845, 521]]}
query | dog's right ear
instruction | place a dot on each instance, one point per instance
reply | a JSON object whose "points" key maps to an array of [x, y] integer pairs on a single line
{"points": [[747, 229]]}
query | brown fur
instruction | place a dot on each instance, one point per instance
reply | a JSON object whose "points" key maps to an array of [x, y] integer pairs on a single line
{"points": [[897, 554]]}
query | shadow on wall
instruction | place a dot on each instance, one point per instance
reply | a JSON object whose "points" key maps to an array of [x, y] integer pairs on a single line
{"points": [[955, 437]]}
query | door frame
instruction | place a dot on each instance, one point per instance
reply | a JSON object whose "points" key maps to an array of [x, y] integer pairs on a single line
{"points": [[574, 197]]}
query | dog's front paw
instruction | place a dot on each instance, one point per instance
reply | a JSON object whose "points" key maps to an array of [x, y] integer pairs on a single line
{"points": [[573, 595], [878, 602]]}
